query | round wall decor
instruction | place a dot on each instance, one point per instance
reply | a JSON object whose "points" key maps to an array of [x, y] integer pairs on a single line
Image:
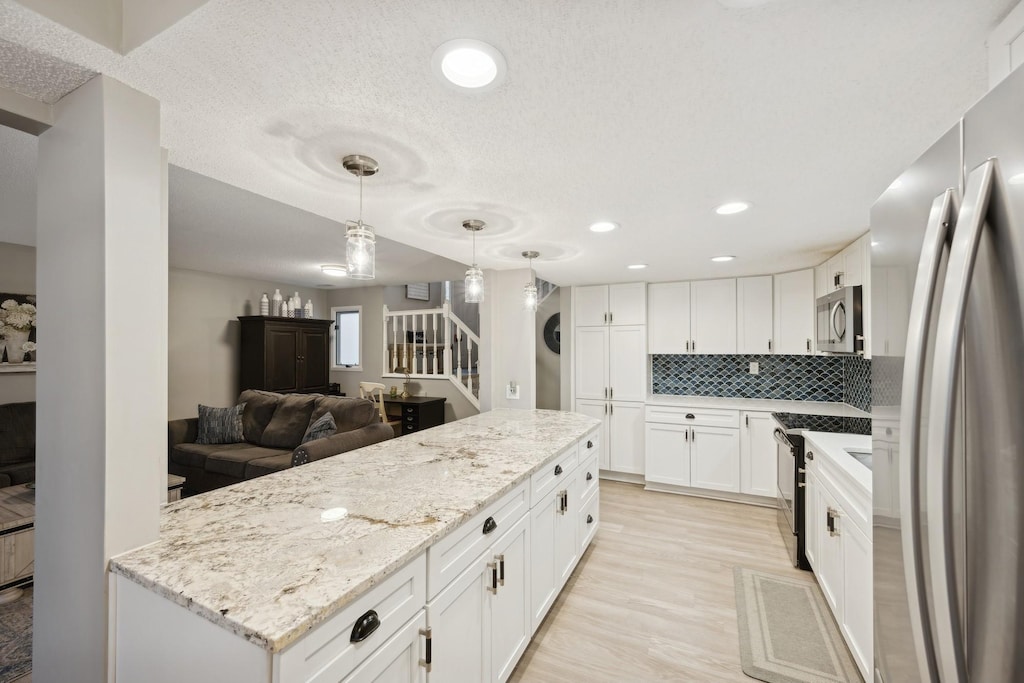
{"points": [[553, 333]]}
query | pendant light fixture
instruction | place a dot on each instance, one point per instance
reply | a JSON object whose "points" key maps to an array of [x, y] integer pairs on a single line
{"points": [[530, 290], [474, 276], [360, 242]]}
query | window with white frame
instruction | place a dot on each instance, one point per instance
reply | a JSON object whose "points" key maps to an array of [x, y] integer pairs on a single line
{"points": [[347, 341]]}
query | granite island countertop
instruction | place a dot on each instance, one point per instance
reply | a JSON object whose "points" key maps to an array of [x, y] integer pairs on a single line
{"points": [[263, 560]]}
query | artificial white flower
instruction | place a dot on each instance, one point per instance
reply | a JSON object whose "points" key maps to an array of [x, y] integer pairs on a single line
{"points": [[28, 347]]}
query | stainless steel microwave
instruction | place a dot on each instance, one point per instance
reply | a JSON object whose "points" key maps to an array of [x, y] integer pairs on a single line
{"points": [[839, 321]]}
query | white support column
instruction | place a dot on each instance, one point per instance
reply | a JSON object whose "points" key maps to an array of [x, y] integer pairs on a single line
{"points": [[102, 388], [508, 351]]}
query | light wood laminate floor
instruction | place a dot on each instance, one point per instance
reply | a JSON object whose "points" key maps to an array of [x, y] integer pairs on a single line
{"points": [[653, 599]]}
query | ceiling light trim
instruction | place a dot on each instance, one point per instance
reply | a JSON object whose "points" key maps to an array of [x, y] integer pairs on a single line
{"points": [[483, 67]]}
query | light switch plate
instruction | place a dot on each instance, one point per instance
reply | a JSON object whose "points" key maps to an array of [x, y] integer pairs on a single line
{"points": [[755, 367], [512, 391]]}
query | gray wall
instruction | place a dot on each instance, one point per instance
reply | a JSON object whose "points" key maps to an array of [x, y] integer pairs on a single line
{"points": [[17, 276], [372, 300], [203, 335], [549, 366], [395, 300]]}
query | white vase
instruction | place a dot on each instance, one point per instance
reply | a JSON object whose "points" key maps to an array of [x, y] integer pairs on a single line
{"points": [[15, 339]]}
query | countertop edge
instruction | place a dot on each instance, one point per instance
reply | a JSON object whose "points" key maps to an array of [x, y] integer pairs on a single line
{"points": [[855, 472]]}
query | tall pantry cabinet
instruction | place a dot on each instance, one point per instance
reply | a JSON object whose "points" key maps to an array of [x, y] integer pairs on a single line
{"points": [[610, 370]]}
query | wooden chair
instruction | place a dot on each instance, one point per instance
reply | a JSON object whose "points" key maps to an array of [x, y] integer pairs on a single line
{"points": [[375, 392]]}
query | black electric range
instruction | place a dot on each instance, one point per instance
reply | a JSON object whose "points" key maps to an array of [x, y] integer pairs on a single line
{"points": [[790, 453]]}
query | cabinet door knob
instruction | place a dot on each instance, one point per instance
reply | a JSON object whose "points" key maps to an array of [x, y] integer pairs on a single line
{"points": [[590, 519], [558, 470], [490, 525], [589, 476], [364, 627], [810, 455], [590, 444]]}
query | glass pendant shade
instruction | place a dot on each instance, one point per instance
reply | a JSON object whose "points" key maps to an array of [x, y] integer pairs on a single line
{"points": [[474, 285], [360, 250], [530, 297]]}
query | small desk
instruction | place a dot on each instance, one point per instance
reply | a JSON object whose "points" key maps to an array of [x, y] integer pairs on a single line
{"points": [[415, 412], [17, 539]]}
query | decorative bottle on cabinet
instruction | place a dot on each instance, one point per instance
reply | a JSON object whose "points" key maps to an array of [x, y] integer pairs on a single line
{"points": [[264, 304], [278, 301], [307, 312]]}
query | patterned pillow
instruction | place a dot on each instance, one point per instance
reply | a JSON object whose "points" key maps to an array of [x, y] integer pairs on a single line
{"points": [[220, 425], [319, 428]]}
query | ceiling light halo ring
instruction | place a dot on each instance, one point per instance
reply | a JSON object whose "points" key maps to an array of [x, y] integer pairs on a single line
{"points": [[603, 226], [724, 258], [334, 269], [732, 208], [469, 65]]}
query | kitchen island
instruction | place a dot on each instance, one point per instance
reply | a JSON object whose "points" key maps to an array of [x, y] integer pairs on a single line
{"points": [[244, 578]]}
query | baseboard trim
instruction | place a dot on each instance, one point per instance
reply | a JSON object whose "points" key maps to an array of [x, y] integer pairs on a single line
{"points": [[745, 498], [624, 477]]}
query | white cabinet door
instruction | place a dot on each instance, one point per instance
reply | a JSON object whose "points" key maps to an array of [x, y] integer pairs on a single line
{"points": [[855, 260], [567, 546], [460, 632], [627, 304], [591, 305], [754, 315], [626, 437], [627, 364], [794, 312], [715, 458], [511, 626], [591, 362], [598, 409], [811, 517], [543, 583], [829, 566], [397, 660], [713, 316], [758, 461], [668, 317], [822, 286], [667, 449], [857, 609]]}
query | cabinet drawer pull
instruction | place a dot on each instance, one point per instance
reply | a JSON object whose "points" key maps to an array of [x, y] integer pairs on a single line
{"points": [[429, 654], [410, 428], [490, 525], [589, 476], [810, 455], [364, 627], [689, 416], [590, 519], [408, 410], [493, 566], [558, 470], [501, 570], [590, 444]]}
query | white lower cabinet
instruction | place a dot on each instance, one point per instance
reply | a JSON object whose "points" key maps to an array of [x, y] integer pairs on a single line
{"points": [[810, 516], [715, 458], [857, 586], [398, 660], [621, 434], [692, 447], [668, 454], [555, 550], [758, 461], [829, 566]]}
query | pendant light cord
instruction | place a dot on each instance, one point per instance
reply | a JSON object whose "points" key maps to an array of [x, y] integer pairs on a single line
{"points": [[360, 198], [474, 248]]}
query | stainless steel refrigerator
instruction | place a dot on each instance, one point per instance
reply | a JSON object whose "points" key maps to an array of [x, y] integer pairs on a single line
{"points": [[948, 404]]}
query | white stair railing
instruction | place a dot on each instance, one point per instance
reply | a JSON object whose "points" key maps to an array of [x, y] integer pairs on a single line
{"points": [[432, 343]]}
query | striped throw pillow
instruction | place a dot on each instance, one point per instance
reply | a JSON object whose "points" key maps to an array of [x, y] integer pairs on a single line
{"points": [[220, 425]]}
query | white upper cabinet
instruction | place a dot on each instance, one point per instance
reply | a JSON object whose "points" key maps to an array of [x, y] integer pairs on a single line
{"points": [[668, 328], [821, 284], [713, 316], [591, 356], [836, 268], [627, 364], [623, 304], [794, 312], [754, 315]]}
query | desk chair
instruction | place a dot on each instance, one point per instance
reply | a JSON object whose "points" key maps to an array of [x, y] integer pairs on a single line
{"points": [[375, 392]]}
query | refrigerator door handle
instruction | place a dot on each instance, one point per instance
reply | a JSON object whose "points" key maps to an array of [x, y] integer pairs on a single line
{"points": [[974, 213], [941, 220]]}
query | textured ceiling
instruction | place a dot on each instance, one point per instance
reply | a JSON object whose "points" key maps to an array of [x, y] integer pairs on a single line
{"points": [[645, 112], [36, 75]]}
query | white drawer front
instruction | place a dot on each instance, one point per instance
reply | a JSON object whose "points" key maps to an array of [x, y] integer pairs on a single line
{"points": [[694, 417], [590, 444], [327, 654], [590, 519], [588, 477], [447, 558], [548, 478]]}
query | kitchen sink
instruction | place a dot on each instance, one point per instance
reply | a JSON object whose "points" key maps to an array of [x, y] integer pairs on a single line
{"points": [[863, 457]]}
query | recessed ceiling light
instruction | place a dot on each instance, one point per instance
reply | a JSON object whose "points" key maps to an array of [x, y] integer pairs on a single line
{"points": [[603, 226], [469, 64], [732, 207], [1017, 179], [722, 259], [334, 270], [875, 244], [637, 266]]}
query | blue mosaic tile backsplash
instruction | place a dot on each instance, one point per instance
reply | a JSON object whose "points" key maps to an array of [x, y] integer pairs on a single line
{"points": [[834, 379]]}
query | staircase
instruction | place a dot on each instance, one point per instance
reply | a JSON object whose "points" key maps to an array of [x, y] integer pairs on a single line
{"points": [[432, 343], [544, 290]]}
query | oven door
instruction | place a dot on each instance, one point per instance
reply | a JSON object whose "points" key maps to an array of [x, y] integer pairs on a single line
{"points": [[786, 455]]}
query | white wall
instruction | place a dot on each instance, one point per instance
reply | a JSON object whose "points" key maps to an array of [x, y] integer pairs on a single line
{"points": [[549, 365], [17, 276], [508, 340], [203, 334], [457, 406]]}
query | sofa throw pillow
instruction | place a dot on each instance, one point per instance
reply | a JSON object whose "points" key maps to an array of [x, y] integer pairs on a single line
{"points": [[319, 428], [220, 425]]}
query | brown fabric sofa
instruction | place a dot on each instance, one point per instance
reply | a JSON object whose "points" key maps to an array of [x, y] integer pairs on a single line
{"points": [[17, 443], [272, 427]]}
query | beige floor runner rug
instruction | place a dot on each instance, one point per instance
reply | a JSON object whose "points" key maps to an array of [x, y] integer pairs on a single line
{"points": [[787, 633]]}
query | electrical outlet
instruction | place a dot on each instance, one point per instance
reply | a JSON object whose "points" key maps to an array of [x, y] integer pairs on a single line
{"points": [[755, 367], [512, 391]]}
